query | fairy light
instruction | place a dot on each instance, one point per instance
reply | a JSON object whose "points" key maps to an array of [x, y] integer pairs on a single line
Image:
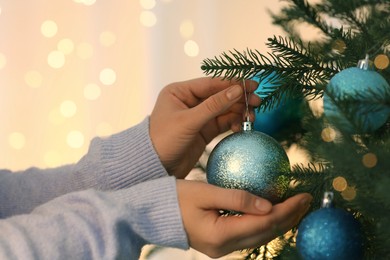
{"points": [[186, 29], [49, 28], [339, 183], [369, 160], [381, 61], [191, 48], [349, 193], [107, 76], [68, 108], [56, 59], [328, 134], [75, 139], [148, 18]]}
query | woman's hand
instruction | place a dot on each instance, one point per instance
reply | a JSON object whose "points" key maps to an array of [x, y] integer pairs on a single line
{"points": [[189, 114], [216, 235]]}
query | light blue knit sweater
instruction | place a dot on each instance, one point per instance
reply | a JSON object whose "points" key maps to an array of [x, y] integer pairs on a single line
{"points": [[107, 206]]}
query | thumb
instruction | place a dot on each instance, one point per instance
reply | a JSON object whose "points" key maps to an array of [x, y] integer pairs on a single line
{"points": [[217, 104], [239, 201]]}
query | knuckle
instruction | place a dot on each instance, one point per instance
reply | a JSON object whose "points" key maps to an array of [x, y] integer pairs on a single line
{"points": [[240, 199], [213, 104]]}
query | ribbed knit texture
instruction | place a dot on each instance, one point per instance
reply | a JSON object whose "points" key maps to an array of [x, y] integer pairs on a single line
{"points": [[112, 163], [124, 153], [107, 206], [97, 225]]}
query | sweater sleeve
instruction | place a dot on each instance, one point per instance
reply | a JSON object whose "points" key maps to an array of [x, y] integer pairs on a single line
{"points": [[93, 224], [112, 163]]}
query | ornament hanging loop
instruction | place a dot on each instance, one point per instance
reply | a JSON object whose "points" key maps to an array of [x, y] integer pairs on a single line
{"points": [[247, 125], [246, 102], [365, 64], [327, 201]]}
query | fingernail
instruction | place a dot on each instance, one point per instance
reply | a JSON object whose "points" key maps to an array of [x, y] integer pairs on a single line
{"points": [[263, 205], [234, 92]]}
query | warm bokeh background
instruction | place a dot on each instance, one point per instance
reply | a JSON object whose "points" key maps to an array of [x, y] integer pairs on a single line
{"points": [[74, 69]]}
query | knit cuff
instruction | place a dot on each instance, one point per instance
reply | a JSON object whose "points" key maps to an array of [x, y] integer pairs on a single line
{"points": [[129, 158], [158, 216]]}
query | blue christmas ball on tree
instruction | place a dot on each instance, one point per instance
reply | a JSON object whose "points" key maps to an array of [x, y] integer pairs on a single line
{"points": [[330, 233], [252, 161], [287, 113], [357, 99]]}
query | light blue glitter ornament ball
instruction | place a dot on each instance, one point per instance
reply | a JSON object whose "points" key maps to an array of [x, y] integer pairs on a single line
{"points": [[368, 95], [330, 233], [252, 161]]}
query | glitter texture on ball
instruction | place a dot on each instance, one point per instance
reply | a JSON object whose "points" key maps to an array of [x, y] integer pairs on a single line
{"points": [[252, 161]]}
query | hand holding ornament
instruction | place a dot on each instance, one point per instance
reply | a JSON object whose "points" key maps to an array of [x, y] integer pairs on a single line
{"points": [[189, 114], [216, 235], [186, 117]]}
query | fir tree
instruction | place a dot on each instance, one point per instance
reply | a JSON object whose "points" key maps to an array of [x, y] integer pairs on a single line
{"points": [[349, 30]]}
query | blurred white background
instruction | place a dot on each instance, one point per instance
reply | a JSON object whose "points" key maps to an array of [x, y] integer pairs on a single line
{"points": [[74, 69]]}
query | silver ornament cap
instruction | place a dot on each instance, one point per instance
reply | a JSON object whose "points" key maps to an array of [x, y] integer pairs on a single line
{"points": [[366, 64], [327, 200], [247, 126]]}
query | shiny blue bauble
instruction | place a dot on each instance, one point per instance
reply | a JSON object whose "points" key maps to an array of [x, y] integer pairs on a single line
{"points": [[368, 94], [252, 161], [287, 113], [330, 233]]}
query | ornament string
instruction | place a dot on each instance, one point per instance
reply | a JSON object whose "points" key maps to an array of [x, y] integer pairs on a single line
{"points": [[246, 95]]}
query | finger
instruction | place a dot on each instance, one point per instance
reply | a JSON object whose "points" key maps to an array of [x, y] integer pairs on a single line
{"points": [[240, 106], [214, 106], [237, 108], [207, 86], [237, 126], [250, 230], [223, 123], [254, 100], [284, 221], [296, 205], [235, 200], [195, 91]]}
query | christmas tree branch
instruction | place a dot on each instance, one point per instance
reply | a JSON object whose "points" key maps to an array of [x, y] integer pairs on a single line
{"points": [[352, 29], [297, 68], [312, 16], [300, 11]]}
